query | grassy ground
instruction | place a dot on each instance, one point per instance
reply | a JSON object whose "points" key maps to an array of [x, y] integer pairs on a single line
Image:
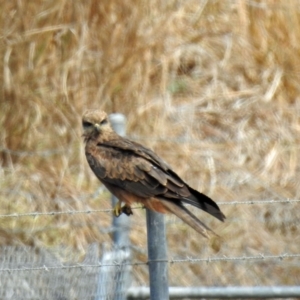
{"points": [[212, 86]]}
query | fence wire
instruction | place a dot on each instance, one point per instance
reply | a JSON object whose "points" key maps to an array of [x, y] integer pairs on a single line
{"points": [[116, 264], [89, 211], [36, 273]]}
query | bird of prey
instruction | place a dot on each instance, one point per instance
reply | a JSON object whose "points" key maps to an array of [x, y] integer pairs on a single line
{"points": [[135, 174]]}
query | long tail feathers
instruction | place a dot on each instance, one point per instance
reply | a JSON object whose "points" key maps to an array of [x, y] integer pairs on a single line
{"points": [[186, 216], [203, 202]]}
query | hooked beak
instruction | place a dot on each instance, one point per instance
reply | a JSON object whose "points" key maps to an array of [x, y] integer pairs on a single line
{"points": [[97, 126]]}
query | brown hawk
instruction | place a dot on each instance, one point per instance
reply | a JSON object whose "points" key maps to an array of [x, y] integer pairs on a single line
{"points": [[134, 173]]}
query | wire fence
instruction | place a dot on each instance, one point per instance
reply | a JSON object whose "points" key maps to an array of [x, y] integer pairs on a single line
{"points": [[122, 272], [259, 250], [99, 264], [36, 273], [236, 147], [110, 210]]}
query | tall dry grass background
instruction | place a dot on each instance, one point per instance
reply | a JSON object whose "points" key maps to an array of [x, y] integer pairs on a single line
{"points": [[212, 86]]}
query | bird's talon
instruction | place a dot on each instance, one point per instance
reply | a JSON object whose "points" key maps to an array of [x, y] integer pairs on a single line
{"points": [[117, 211], [127, 210]]}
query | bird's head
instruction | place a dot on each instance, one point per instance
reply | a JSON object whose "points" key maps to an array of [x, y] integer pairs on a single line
{"points": [[94, 123]]}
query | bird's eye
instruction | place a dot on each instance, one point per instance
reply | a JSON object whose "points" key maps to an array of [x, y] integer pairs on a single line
{"points": [[104, 121], [86, 124]]}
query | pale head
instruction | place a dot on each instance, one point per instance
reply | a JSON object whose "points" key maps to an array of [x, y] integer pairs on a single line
{"points": [[95, 122]]}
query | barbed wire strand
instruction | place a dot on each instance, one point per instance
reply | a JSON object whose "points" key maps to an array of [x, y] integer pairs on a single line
{"points": [[109, 210], [171, 261]]}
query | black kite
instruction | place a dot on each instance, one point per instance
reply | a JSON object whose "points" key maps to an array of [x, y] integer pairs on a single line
{"points": [[134, 173]]}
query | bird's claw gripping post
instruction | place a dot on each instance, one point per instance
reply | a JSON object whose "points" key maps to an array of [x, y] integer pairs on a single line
{"points": [[119, 209]]}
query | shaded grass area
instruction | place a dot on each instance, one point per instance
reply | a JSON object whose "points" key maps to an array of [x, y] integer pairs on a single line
{"points": [[212, 86]]}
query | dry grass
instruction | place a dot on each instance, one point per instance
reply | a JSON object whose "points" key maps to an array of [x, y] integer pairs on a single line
{"points": [[213, 86]]}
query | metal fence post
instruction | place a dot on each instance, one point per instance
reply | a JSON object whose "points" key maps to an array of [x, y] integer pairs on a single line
{"points": [[121, 224], [115, 281], [157, 255]]}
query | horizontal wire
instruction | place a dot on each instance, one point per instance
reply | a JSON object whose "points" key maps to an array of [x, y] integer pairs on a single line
{"points": [[55, 213], [109, 210], [250, 202], [259, 257]]}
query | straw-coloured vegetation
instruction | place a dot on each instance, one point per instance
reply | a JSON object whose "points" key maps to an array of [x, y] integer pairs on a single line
{"points": [[212, 86]]}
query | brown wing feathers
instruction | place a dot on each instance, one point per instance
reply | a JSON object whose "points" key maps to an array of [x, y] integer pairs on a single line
{"points": [[167, 184], [203, 202], [185, 215], [125, 166]]}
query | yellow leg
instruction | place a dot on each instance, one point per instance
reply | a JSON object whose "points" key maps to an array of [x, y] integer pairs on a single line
{"points": [[117, 209]]}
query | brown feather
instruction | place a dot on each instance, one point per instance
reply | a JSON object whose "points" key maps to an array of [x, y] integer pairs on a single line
{"points": [[158, 175], [185, 215]]}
